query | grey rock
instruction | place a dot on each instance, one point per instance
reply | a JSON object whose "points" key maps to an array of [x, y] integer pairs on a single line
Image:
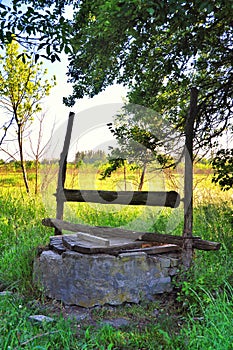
{"points": [[6, 293], [117, 323], [40, 318]]}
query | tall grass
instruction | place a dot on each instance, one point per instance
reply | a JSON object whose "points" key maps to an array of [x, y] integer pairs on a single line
{"points": [[210, 326], [204, 300], [21, 234]]}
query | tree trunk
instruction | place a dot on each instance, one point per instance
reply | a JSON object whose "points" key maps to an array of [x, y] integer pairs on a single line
{"points": [[37, 170], [142, 178], [125, 179], [22, 164]]}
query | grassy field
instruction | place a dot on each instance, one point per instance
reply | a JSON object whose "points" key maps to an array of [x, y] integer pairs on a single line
{"points": [[198, 315]]}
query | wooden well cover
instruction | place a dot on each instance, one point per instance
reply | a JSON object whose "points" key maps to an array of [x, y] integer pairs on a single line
{"points": [[114, 244]]}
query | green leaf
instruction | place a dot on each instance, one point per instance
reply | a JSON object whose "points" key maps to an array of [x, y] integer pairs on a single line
{"points": [[151, 11]]}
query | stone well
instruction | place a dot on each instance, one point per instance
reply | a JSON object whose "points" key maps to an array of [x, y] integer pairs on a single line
{"points": [[88, 280]]}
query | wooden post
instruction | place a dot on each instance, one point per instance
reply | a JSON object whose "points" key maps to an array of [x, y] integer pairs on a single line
{"points": [[188, 182], [62, 172]]}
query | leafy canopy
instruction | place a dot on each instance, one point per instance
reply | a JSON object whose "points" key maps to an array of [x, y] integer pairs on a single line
{"points": [[42, 27], [159, 49]]}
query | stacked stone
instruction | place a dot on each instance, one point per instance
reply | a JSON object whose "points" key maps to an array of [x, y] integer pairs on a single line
{"points": [[88, 280]]}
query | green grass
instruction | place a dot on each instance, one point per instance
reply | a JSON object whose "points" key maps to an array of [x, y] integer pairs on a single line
{"points": [[21, 234], [210, 325], [200, 317], [17, 331]]}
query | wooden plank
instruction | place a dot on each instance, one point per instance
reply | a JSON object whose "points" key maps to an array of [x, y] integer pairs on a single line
{"points": [[56, 244], [81, 246], [70, 241], [159, 198], [92, 238], [156, 249], [202, 244], [197, 242], [115, 248], [161, 238], [188, 181], [111, 232], [101, 231]]}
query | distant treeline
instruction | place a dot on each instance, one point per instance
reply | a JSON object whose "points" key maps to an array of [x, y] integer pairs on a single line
{"points": [[90, 157], [87, 157], [15, 164], [83, 157]]}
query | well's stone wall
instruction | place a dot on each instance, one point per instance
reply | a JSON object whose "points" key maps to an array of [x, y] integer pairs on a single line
{"points": [[88, 280]]}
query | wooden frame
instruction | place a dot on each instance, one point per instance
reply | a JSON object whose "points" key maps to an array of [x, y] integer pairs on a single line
{"points": [[168, 199]]}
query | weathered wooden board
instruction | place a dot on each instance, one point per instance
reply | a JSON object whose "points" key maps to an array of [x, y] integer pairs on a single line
{"points": [[101, 231], [163, 248], [116, 246], [74, 243], [156, 198], [56, 244], [93, 239], [197, 242], [111, 232]]}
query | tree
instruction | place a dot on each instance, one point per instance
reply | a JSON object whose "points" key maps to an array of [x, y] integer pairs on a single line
{"points": [[143, 138], [21, 90], [39, 149], [159, 49]]}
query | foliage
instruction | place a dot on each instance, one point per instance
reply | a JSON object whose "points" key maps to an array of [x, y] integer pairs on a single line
{"points": [[21, 90], [223, 168], [40, 26], [113, 165], [22, 87], [159, 50]]}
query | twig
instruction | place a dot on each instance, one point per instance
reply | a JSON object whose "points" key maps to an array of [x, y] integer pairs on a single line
{"points": [[36, 337]]}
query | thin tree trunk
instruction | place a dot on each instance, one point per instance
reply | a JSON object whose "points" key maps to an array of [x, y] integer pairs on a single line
{"points": [[125, 181], [22, 164], [142, 178], [37, 170]]}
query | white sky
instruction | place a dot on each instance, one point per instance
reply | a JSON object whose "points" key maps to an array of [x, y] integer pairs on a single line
{"points": [[113, 94], [95, 133]]}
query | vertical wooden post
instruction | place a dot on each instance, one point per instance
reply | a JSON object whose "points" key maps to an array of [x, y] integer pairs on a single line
{"points": [[62, 172], [188, 181]]}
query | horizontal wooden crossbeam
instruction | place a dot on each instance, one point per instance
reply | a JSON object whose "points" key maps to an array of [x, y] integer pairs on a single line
{"points": [[160, 198]]}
